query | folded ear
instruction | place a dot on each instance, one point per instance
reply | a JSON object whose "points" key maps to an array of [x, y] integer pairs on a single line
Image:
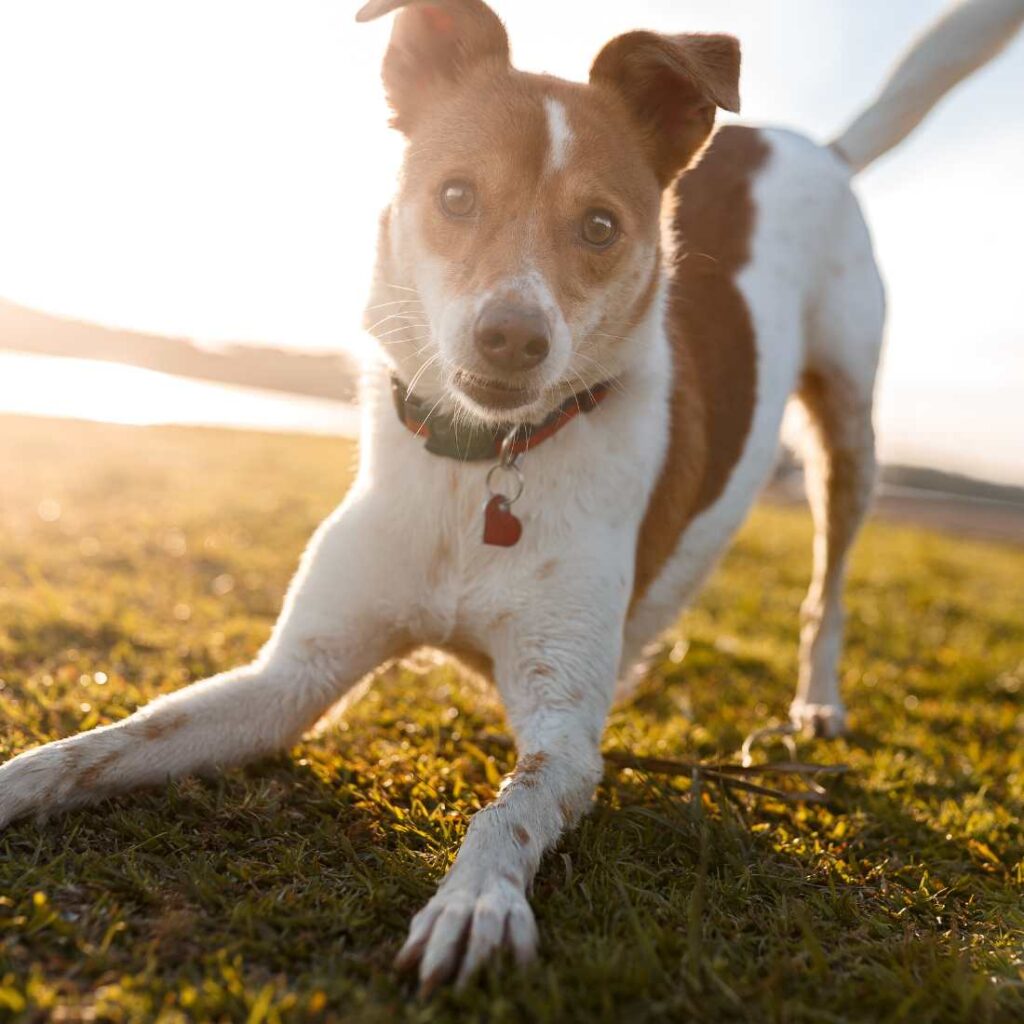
{"points": [[433, 44], [672, 85]]}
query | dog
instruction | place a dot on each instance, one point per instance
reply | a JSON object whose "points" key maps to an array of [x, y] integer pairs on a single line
{"points": [[592, 312]]}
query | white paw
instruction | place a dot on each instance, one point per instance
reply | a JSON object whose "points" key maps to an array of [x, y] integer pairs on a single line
{"points": [[463, 926], [28, 784], [56, 776], [824, 721]]}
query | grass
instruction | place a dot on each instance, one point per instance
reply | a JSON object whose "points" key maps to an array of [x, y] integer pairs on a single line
{"points": [[133, 561]]}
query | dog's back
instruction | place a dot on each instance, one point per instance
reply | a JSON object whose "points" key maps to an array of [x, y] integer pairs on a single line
{"points": [[776, 293]]}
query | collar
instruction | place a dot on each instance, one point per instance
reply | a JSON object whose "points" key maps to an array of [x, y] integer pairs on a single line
{"points": [[479, 442]]}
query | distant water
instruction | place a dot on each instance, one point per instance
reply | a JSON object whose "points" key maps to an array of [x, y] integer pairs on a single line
{"points": [[115, 393]]}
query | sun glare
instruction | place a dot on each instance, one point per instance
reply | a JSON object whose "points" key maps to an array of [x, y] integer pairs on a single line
{"points": [[215, 171], [113, 393]]}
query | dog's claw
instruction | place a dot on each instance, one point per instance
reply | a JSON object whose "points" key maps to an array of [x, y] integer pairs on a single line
{"points": [[462, 927]]}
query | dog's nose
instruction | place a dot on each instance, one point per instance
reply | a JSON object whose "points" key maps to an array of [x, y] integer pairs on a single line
{"points": [[512, 337]]}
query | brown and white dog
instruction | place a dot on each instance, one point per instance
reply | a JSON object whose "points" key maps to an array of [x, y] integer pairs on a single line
{"points": [[590, 356]]}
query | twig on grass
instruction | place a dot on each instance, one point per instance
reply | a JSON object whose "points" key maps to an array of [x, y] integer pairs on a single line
{"points": [[736, 776], [729, 775]]}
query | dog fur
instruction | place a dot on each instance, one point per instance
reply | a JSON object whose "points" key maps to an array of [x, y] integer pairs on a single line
{"points": [[742, 285]]}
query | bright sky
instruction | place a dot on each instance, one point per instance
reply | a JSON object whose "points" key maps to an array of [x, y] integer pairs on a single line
{"points": [[214, 168]]}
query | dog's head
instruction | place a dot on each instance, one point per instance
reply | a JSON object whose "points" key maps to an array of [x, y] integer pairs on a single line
{"points": [[522, 247]]}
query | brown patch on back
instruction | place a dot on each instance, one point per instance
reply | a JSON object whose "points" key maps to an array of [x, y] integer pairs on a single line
{"points": [[522, 836], [713, 345]]}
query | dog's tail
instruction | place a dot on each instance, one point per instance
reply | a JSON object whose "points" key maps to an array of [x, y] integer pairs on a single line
{"points": [[968, 36]]}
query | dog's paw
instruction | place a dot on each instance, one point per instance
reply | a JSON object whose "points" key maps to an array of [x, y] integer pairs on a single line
{"points": [[463, 926], [27, 784], [49, 779], [823, 721]]}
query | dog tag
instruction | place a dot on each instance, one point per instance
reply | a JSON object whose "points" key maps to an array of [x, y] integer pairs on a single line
{"points": [[502, 529]]}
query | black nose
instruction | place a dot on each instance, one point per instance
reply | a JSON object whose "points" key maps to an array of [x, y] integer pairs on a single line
{"points": [[512, 337]]}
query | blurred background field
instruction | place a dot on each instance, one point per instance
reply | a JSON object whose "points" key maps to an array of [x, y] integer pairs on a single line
{"points": [[134, 560], [234, 208]]}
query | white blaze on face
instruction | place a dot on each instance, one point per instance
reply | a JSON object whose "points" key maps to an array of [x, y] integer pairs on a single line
{"points": [[559, 133]]}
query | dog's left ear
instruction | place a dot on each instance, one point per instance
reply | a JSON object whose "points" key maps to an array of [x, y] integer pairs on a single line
{"points": [[433, 44], [672, 85]]}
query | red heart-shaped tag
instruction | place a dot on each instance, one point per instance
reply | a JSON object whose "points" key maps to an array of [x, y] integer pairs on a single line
{"points": [[501, 528]]}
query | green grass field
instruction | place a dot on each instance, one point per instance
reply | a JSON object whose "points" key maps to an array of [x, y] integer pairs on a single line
{"points": [[133, 561]]}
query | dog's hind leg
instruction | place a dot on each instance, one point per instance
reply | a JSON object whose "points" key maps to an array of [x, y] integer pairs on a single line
{"points": [[327, 639], [839, 468], [836, 392]]}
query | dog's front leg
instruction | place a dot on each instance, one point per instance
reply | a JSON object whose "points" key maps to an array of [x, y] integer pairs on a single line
{"points": [[335, 628], [557, 691]]}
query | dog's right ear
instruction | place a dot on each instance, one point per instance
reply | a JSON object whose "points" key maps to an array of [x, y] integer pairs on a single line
{"points": [[433, 44]]}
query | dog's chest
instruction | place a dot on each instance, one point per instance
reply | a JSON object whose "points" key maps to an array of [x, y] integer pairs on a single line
{"points": [[580, 508], [466, 584]]}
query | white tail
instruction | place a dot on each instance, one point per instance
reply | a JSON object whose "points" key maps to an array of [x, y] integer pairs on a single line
{"points": [[968, 36]]}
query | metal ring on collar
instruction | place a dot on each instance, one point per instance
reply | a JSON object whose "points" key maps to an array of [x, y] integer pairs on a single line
{"points": [[510, 468]]}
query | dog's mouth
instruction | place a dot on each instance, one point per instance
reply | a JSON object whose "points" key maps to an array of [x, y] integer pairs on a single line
{"points": [[494, 394]]}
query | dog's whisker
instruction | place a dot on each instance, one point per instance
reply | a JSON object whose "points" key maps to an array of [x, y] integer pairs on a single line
{"points": [[404, 327], [421, 349], [395, 316], [433, 408], [575, 394], [607, 377], [398, 330], [604, 373], [395, 342], [394, 302], [421, 371], [586, 387]]}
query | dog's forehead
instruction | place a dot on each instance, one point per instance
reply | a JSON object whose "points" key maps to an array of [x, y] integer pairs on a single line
{"points": [[535, 124]]}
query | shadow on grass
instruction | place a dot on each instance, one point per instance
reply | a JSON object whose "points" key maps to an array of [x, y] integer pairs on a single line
{"points": [[656, 908]]}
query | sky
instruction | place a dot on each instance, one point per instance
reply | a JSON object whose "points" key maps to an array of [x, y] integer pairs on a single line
{"points": [[214, 169]]}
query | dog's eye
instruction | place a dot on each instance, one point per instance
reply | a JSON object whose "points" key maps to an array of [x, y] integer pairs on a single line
{"points": [[458, 198], [599, 228]]}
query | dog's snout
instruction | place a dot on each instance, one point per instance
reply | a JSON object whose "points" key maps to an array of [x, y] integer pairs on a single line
{"points": [[511, 337]]}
